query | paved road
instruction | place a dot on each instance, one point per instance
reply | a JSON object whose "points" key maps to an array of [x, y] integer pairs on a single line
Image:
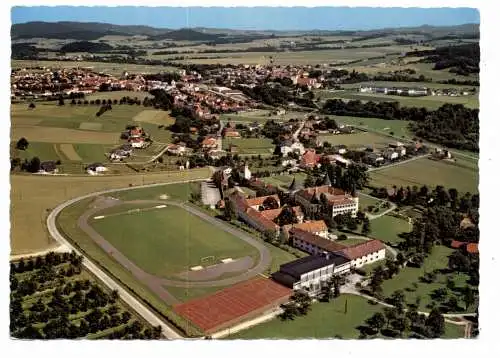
{"points": [[139, 307]]}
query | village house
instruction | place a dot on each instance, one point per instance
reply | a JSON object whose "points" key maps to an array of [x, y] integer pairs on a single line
{"points": [[311, 243], [317, 227], [48, 167], [177, 149], [209, 143], [289, 147], [338, 200], [364, 253], [272, 214], [138, 142], [309, 159], [96, 168]]}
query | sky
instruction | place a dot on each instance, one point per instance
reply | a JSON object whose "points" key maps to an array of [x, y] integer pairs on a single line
{"points": [[256, 18]]}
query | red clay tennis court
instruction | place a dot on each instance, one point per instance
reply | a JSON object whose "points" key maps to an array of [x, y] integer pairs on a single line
{"points": [[231, 305]]}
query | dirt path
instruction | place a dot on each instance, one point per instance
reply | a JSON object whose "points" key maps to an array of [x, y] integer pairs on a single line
{"points": [[155, 283]]}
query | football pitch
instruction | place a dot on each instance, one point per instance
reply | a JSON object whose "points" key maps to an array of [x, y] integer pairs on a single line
{"points": [[169, 240]]}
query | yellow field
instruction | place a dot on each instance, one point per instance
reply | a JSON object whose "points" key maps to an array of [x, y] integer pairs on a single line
{"points": [[32, 198], [154, 117], [66, 135], [69, 152]]}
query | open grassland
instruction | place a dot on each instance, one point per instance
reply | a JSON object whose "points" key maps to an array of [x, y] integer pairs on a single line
{"points": [[358, 139], [114, 69], [168, 241], [117, 95], [261, 116], [431, 85], [250, 146], [58, 135], [430, 102], [284, 58], [409, 277], [155, 117], [366, 200], [463, 174], [325, 320], [398, 127], [387, 229], [33, 196]]}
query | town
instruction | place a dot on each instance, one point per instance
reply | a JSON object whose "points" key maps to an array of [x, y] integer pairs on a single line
{"points": [[216, 184]]}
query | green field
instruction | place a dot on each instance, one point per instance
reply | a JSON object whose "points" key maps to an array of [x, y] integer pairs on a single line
{"points": [[365, 201], [430, 102], [325, 320], [405, 84], [251, 146], [262, 116], [168, 241], [181, 192], [409, 275], [284, 181], [387, 228], [398, 127], [118, 95], [357, 139], [462, 175]]}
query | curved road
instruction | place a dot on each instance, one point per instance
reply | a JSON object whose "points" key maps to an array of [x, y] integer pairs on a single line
{"points": [[138, 306]]}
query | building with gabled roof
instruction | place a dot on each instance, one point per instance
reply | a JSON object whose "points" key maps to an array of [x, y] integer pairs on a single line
{"points": [[364, 253]]}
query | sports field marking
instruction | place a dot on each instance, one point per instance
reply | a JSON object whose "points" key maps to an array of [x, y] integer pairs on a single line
{"points": [[99, 217], [91, 126], [196, 268], [225, 261], [160, 206], [69, 152], [132, 211]]}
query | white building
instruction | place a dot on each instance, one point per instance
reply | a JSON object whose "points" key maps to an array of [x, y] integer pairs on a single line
{"points": [[295, 147], [312, 272]]}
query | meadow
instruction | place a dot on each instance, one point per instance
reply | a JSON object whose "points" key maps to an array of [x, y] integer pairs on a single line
{"points": [[326, 320], [250, 146], [462, 174], [357, 139], [33, 196], [168, 241], [429, 102]]}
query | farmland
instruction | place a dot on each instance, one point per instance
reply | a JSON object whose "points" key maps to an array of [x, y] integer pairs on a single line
{"points": [[430, 102], [33, 196], [398, 127], [462, 174], [314, 324], [357, 139], [42, 286], [174, 241]]}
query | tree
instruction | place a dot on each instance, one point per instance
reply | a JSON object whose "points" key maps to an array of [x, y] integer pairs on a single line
{"points": [[469, 297], [302, 301], [434, 324], [270, 203], [31, 106], [286, 217], [61, 101], [34, 165], [229, 209], [398, 300], [22, 144], [366, 227], [376, 322], [376, 280]]}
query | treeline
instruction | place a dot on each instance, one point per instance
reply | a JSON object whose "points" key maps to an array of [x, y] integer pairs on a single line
{"points": [[452, 125], [86, 46], [460, 59], [24, 52], [269, 94]]}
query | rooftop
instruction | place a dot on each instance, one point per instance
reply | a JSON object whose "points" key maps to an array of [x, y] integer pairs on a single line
{"points": [[363, 249], [316, 240], [310, 263]]}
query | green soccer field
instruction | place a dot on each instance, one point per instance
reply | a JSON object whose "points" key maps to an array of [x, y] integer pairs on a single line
{"points": [[168, 241]]}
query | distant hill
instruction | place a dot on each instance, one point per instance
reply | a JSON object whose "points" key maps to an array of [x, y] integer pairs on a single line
{"points": [[23, 51], [86, 46], [78, 30], [187, 35]]}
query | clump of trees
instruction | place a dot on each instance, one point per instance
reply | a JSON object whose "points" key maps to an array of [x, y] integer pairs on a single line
{"points": [[52, 315], [22, 144], [299, 305]]}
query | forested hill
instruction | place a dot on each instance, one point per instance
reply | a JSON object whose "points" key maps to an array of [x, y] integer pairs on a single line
{"points": [[451, 125], [462, 59], [187, 35], [86, 46], [78, 30]]}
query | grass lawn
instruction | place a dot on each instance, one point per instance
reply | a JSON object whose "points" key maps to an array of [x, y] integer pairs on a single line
{"points": [[92, 152], [33, 196], [326, 320], [280, 257], [174, 240], [181, 192], [398, 127], [357, 139], [365, 201], [251, 145], [430, 102], [409, 275], [462, 175], [284, 180], [386, 228], [44, 151]]}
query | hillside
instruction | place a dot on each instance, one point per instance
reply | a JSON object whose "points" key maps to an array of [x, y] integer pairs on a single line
{"points": [[78, 30], [187, 35], [86, 46]]}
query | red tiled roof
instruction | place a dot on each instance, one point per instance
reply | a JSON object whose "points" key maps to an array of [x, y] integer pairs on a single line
{"points": [[273, 213], [357, 251], [309, 158], [260, 200], [310, 226], [261, 219], [308, 193], [316, 240], [473, 248]]}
